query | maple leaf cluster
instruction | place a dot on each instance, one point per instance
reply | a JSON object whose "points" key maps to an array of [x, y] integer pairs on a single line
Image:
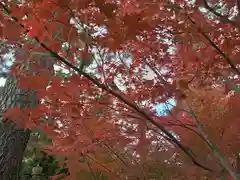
{"points": [[117, 61]]}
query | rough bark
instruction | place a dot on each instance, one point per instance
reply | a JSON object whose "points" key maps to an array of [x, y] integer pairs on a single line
{"points": [[13, 140]]}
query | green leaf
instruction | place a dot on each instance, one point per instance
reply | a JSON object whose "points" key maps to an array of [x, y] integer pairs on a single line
{"points": [[236, 88], [57, 35], [55, 14]]}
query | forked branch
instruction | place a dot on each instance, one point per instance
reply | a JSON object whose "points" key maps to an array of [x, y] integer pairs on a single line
{"points": [[119, 96]]}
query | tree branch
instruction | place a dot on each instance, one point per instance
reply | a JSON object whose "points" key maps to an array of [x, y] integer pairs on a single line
{"points": [[118, 95], [127, 102], [213, 147], [225, 57], [222, 18]]}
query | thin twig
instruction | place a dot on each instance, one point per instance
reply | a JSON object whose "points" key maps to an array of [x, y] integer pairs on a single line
{"points": [[92, 173], [213, 146], [222, 18], [118, 95], [225, 57]]}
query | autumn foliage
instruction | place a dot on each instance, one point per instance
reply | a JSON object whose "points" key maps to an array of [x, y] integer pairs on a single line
{"points": [[116, 61]]}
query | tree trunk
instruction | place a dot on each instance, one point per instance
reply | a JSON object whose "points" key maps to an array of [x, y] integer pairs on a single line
{"points": [[13, 140]]}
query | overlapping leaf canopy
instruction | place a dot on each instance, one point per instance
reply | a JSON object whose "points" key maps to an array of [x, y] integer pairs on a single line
{"points": [[115, 61]]}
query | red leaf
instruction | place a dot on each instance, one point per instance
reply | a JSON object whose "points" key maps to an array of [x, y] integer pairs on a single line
{"points": [[35, 82]]}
